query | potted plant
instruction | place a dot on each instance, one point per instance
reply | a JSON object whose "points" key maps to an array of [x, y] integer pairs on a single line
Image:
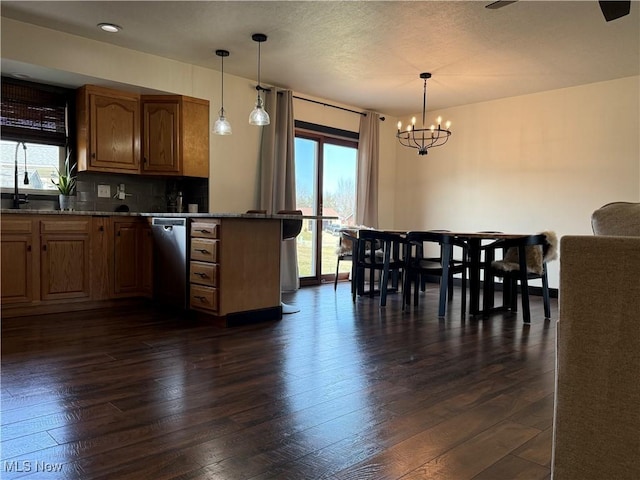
{"points": [[66, 184]]}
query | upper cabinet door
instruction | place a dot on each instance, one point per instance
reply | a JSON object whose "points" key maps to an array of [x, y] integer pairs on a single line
{"points": [[160, 137], [108, 130], [175, 135]]}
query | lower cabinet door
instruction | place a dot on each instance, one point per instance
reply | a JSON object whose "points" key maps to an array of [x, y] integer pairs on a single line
{"points": [[65, 266]]}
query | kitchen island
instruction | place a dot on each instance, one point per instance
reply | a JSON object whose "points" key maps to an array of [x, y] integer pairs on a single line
{"points": [[54, 261]]}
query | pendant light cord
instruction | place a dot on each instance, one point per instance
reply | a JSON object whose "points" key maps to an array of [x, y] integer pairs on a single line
{"points": [[222, 85], [259, 67]]}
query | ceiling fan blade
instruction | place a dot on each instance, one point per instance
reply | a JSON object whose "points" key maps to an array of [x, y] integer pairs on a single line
{"points": [[499, 4], [614, 9]]}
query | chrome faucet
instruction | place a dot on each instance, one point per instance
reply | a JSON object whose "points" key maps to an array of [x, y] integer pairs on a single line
{"points": [[17, 201]]}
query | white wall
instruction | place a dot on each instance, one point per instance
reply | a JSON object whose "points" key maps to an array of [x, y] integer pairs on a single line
{"points": [[527, 164]]}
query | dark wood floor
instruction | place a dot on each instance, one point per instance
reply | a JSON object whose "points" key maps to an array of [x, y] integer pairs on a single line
{"points": [[336, 391]]}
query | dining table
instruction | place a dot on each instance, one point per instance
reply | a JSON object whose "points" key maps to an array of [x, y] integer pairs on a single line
{"points": [[474, 241]]}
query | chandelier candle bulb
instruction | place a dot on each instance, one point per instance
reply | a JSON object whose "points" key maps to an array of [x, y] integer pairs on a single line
{"points": [[439, 121]]}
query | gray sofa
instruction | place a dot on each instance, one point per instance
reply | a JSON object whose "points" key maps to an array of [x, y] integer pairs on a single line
{"points": [[597, 401]]}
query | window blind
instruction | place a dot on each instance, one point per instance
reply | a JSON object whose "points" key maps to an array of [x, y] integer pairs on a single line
{"points": [[33, 112]]}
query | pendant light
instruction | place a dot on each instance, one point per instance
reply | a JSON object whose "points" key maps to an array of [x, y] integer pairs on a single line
{"points": [[258, 115], [222, 125]]}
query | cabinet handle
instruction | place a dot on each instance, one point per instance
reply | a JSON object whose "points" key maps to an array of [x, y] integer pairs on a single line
{"points": [[28, 248], [101, 228], [44, 248], [203, 231], [202, 250], [200, 297], [118, 234], [93, 155], [201, 275]]}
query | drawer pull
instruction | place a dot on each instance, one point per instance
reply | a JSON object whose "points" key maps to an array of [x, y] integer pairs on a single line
{"points": [[201, 274], [203, 231], [201, 298], [202, 250]]}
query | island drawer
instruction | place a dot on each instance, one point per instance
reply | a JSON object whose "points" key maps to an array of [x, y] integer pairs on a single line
{"points": [[204, 250], [204, 273], [205, 229], [203, 298]]}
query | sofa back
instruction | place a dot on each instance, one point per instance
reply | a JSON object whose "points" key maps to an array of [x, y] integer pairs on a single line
{"points": [[597, 404]]}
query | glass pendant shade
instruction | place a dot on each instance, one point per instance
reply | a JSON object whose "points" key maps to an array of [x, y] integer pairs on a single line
{"points": [[259, 115], [222, 125]]}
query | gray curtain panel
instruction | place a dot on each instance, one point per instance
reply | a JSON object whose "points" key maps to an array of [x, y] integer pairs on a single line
{"points": [[368, 159], [277, 174]]}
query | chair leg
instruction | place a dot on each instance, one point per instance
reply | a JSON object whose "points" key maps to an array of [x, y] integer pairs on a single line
{"points": [[335, 281], [355, 279], [384, 277], [513, 294], [372, 282], [463, 293], [450, 286], [524, 287], [545, 295], [444, 280]]}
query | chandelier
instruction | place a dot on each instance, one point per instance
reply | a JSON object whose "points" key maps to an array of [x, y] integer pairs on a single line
{"points": [[424, 138]]}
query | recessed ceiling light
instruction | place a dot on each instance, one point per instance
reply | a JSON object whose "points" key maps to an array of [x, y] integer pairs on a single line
{"points": [[110, 27]]}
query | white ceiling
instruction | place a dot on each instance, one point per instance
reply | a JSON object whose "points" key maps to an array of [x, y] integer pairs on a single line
{"points": [[369, 54]]}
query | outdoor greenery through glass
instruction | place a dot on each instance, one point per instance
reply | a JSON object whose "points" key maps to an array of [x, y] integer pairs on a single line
{"points": [[330, 168]]}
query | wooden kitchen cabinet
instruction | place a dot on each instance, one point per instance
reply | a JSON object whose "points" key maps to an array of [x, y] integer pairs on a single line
{"points": [[175, 135], [234, 269], [65, 258], [108, 130], [132, 258], [18, 266]]}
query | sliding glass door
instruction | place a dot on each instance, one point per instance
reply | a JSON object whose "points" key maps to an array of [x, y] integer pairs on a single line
{"points": [[325, 185]]}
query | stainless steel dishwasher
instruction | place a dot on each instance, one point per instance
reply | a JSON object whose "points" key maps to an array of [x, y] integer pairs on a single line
{"points": [[170, 260]]}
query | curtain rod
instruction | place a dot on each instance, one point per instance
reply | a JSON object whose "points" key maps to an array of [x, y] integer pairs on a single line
{"points": [[334, 106]]}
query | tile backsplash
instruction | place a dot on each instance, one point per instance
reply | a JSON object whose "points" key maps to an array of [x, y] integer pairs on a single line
{"points": [[141, 194]]}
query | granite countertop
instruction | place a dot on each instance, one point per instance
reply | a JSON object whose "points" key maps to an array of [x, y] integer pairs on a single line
{"points": [[11, 211]]}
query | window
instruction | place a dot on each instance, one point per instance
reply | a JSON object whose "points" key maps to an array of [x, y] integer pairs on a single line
{"points": [[40, 166], [326, 166], [34, 134]]}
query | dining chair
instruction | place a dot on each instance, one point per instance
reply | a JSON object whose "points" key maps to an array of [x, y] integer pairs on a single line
{"points": [[524, 259], [379, 253], [344, 250], [419, 265]]}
